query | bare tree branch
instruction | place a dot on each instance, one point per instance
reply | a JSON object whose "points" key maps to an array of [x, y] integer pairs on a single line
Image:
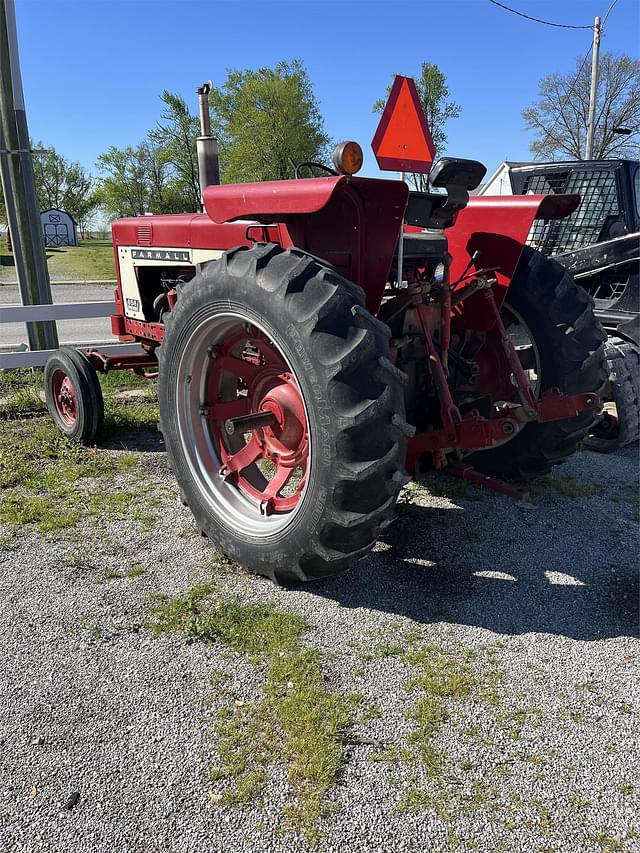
{"points": [[559, 117]]}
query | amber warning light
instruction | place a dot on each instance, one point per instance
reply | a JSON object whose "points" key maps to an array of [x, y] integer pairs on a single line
{"points": [[347, 158]]}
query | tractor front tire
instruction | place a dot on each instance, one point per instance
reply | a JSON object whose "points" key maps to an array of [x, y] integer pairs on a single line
{"points": [[73, 395], [569, 345], [620, 427], [281, 413]]}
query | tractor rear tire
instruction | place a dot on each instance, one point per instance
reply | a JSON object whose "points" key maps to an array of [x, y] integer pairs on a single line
{"points": [[263, 331], [612, 432], [569, 342], [73, 395]]}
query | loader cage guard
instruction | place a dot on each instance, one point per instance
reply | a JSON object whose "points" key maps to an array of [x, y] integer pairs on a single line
{"points": [[607, 207]]}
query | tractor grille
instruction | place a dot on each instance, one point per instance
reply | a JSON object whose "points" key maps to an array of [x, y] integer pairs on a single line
{"points": [[144, 234], [597, 189]]}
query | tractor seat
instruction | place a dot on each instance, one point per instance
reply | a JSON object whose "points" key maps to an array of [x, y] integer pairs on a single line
{"points": [[422, 206]]}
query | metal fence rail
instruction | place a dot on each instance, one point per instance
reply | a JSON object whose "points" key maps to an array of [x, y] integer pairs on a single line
{"points": [[59, 311]]}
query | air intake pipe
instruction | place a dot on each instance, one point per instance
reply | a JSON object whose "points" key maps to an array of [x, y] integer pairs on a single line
{"points": [[206, 144]]}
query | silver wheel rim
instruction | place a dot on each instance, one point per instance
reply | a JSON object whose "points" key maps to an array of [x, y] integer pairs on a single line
{"points": [[521, 338], [223, 498]]}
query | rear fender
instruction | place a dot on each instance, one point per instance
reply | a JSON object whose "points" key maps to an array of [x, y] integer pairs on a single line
{"points": [[352, 223], [497, 228]]}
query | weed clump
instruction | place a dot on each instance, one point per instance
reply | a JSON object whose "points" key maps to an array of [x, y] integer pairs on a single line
{"points": [[297, 718]]}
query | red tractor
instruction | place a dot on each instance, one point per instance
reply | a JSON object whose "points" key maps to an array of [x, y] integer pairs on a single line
{"points": [[301, 376]]}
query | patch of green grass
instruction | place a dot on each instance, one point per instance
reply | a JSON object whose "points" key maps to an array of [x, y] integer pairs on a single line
{"points": [[370, 712], [219, 561], [92, 260], [122, 380], [385, 649], [428, 717], [112, 575], [256, 629], [23, 401], [46, 513], [122, 415], [8, 542], [417, 798], [444, 678], [297, 719], [567, 486], [115, 574], [65, 505], [135, 572], [626, 788], [26, 377], [20, 392], [130, 417], [441, 674], [51, 483], [609, 843], [579, 803]]}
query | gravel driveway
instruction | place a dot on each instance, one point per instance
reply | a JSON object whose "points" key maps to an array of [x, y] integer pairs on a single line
{"points": [[108, 731]]}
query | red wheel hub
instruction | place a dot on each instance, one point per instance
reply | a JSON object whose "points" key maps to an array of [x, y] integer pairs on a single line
{"points": [[268, 464], [64, 395]]}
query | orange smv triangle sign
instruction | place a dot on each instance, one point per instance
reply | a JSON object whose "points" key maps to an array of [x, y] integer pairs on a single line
{"points": [[402, 142]]}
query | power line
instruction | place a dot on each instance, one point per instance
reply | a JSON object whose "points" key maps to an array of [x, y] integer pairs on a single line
{"points": [[607, 13], [549, 133], [548, 23]]}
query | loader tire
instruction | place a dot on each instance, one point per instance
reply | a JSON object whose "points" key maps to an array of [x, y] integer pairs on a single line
{"points": [[569, 342], [73, 395], [620, 426], [277, 334]]}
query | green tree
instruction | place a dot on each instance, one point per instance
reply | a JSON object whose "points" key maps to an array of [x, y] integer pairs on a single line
{"points": [[433, 93], [124, 191], [559, 118], [266, 118], [173, 145], [61, 183], [141, 179]]}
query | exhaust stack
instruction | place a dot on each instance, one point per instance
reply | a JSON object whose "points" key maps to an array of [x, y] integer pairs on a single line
{"points": [[206, 144]]}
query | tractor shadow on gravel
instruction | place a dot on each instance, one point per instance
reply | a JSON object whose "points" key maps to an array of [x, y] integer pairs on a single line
{"points": [[439, 565]]}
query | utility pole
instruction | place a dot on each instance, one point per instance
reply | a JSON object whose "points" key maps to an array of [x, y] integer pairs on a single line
{"points": [[593, 95], [18, 185]]}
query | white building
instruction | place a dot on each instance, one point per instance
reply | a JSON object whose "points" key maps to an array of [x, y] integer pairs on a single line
{"points": [[59, 228], [499, 183]]}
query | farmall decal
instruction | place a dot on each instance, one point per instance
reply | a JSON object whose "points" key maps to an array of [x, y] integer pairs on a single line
{"points": [[175, 255]]}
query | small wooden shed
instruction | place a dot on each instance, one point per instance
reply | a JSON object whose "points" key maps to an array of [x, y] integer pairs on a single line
{"points": [[59, 228]]}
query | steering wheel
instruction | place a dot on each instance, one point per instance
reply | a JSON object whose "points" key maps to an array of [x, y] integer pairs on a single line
{"points": [[310, 166]]}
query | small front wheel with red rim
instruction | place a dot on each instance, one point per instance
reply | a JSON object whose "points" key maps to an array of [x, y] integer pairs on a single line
{"points": [[73, 395], [281, 413]]}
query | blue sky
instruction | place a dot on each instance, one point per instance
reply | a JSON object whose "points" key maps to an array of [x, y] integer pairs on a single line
{"points": [[93, 69]]}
